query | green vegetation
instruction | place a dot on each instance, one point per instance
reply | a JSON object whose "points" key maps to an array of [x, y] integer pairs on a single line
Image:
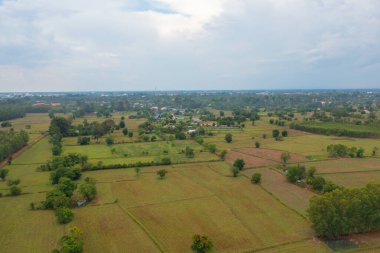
{"points": [[256, 178], [346, 211], [339, 129], [11, 142], [201, 244]]}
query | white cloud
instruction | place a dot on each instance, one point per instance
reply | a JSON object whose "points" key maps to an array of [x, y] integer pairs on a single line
{"points": [[188, 44]]}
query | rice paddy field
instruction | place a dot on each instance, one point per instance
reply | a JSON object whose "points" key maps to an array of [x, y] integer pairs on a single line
{"points": [[137, 212]]}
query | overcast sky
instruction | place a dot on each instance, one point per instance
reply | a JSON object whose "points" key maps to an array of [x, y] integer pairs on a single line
{"points": [[79, 45]]}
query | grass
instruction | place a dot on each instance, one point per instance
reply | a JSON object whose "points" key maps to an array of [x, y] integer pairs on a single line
{"points": [[291, 195], [238, 216], [135, 152]]}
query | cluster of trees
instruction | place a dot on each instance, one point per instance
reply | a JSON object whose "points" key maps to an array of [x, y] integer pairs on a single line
{"points": [[11, 142], [71, 243], [340, 150], [101, 166], [346, 211], [11, 111], [14, 189], [237, 166], [201, 244], [299, 174], [277, 122], [59, 127], [338, 130], [278, 136], [95, 129]]}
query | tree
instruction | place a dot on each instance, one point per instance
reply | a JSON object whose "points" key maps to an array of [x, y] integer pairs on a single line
{"points": [[67, 186], [162, 173], [88, 190], [72, 173], [285, 156], [221, 113], [284, 133], [64, 215], [56, 150], [166, 161], [257, 144], [374, 151], [223, 154], [109, 140], [239, 163], [211, 148], [3, 173], [228, 138], [256, 178], [15, 190], [130, 134], [275, 133], [137, 170], [189, 152], [235, 171], [56, 199], [122, 124], [125, 131], [360, 153], [201, 244], [72, 243], [295, 173], [83, 140]]}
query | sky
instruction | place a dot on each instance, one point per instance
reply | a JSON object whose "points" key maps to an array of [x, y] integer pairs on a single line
{"points": [[94, 45]]}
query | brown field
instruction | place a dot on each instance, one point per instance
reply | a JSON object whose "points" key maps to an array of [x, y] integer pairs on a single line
{"points": [[271, 154], [291, 195], [354, 179], [250, 161], [346, 165]]}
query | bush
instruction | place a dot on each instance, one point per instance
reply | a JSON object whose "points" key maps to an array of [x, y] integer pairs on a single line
{"points": [[3, 173], [201, 244], [189, 152], [15, 190], [122, 124], [109, 140], [56, 150], [223, 154], [211, 148], [71, 173], [166, 161], [67, 186], [256, 178], [284, 133], [83, 140], [130, 134], [228, 138], [125, 131], [162, 173], [64, 215], [257, 144], [235, 171]]}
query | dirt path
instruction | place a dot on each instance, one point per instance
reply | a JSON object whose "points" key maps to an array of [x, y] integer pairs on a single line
{"points": [[23, 149]]}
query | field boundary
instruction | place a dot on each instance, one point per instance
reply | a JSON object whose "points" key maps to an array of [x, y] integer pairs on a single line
{"points": [[23, 149], [145, 229]]}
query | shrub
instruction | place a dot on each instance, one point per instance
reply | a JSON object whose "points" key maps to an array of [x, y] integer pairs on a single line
{"points": [[223, 154], [235, 171], [56, 199], [275, 133], [109, 140], [3, 173], [284, 133], [166, 161], [122, 124], [83, 140], [257, 144], [125, 131], [228, 138], [67, 186], [130, 134], [189, 152], [64, 215], [211, 148], [15, 190], [162, 173], [256, 178], [201, 244]]}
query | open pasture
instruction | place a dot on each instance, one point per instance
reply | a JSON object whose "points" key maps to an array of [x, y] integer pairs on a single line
{"points": [[345, 165], [250, 161], [354, 179]]}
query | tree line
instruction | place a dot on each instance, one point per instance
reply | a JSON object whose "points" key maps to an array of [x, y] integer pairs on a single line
{"points": [[11, 142]]}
